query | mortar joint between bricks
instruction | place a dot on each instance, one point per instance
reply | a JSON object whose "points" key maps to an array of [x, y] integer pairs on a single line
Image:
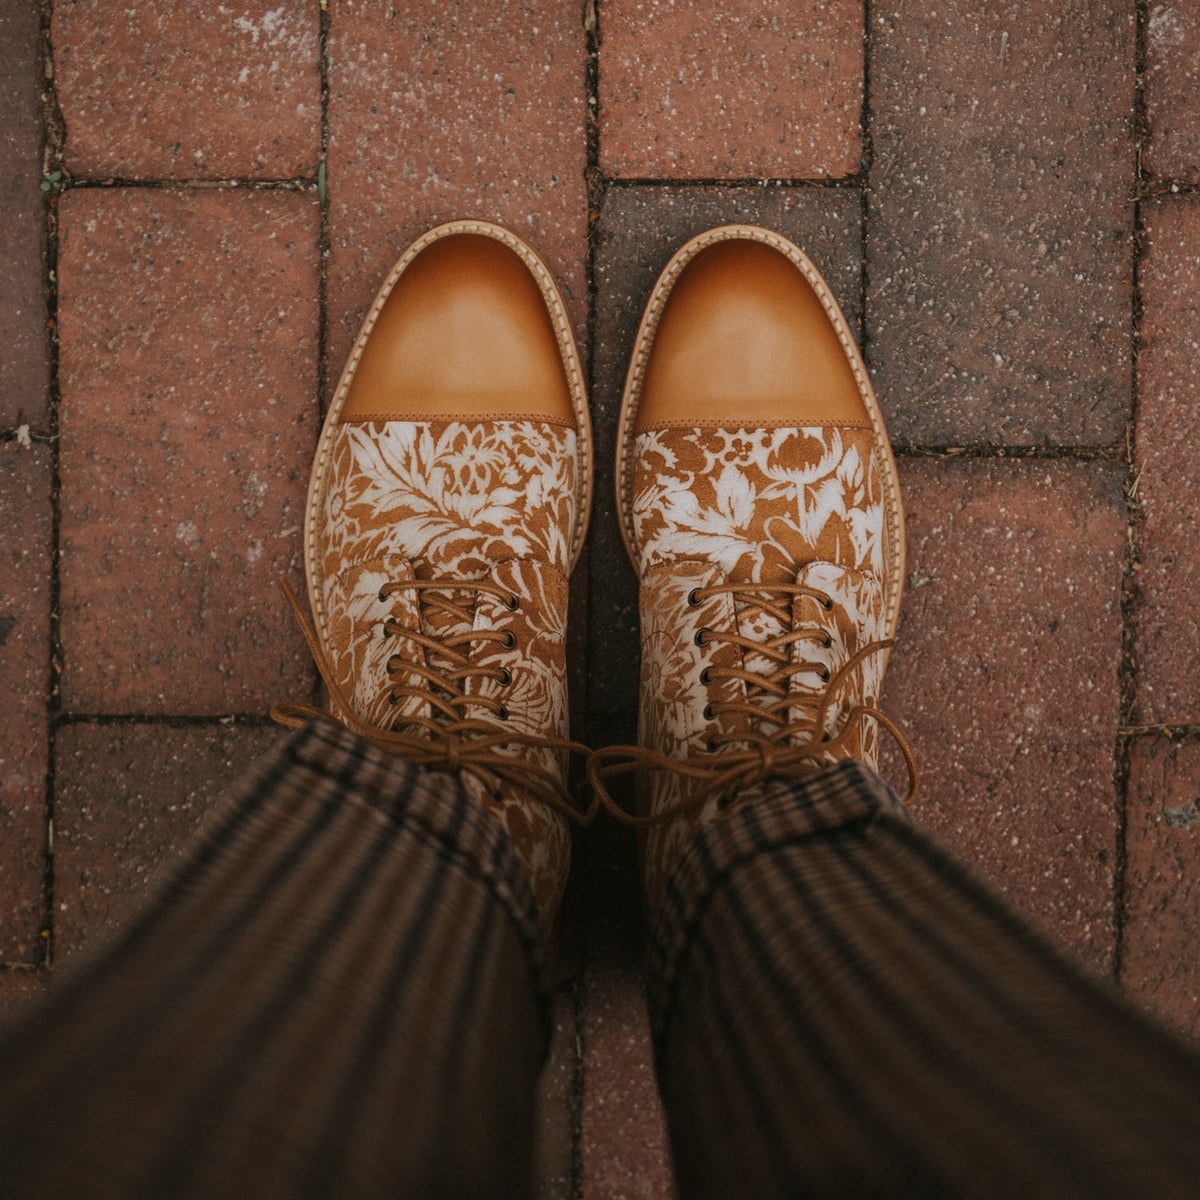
{"points": [[1130, 595], [56, 176], [1111, 453], [294, 183], [851, 182]]}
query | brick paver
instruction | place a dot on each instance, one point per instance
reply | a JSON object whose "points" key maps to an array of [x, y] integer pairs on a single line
{"points": [[742, 90], [1168, 626], [1000, 253], [188, 372], [23, 362], [25, 547], [178, 90], [1004, 678], [437, 113], [1160, 967], [128, 800], [1172, 85], [624, 1144]]}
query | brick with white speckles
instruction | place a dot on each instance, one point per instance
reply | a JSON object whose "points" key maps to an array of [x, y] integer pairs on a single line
{"points": [[1000, 254], [179, 90], [1004, 678], [742, 90], [189, 413], [1161, 962], [1168, 625], [1172, 84]]}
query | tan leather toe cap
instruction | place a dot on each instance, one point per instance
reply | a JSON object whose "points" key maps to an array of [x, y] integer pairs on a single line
{"points": [[744, 339], [464, 333]]}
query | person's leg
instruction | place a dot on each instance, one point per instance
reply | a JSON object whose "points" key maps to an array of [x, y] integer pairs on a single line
{"points": [[840, 1009], [337, 994]]}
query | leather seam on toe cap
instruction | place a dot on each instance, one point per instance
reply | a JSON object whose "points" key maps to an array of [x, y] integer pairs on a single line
{"points": [[441, 418], [740, 422]]}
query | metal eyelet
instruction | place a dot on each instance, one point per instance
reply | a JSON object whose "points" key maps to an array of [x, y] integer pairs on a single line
{"points": [[827, 604], [700, 639], [393, 664], [826, 642], [393, 698], [502, 712], [708, 712], [711, 745], [383, 594], [510, 640], [823, 672], [505, 677], [512, 603], [706, 675], [693, 599]]}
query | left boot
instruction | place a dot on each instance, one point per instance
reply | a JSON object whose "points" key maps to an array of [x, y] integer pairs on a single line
{"points": [[447, 505]]}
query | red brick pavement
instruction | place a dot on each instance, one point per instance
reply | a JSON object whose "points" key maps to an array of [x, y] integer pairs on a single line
{"points": [[1010, 221]]}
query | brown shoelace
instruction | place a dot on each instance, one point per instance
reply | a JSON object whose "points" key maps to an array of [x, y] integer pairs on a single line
{"points": [[449, 740], [773, 746]]}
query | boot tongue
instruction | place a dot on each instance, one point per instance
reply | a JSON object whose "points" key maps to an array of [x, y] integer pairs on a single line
{"points": [[753, 621], [855, 620]]}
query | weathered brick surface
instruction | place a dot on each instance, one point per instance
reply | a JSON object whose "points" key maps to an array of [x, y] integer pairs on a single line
{"points": [[25, 547], [436, 113], [129, 799], [1004, 678], [746, 90], [1171, 87], [23, 365], [188, 372], [1161, 960], [1000, 248], [638, 232], [624, 1145], [179, 90], [1168, 623]]}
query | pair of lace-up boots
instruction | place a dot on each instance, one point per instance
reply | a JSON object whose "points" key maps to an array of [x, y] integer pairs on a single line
{"points": [[757, 496]]}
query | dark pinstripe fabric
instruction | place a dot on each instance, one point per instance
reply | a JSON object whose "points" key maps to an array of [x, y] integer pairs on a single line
{"points": [[337, 995], [840, 1010]]}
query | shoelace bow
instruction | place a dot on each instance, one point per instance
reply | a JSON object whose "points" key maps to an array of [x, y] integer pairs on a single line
{"points": [[452, 741], [792, 749]]}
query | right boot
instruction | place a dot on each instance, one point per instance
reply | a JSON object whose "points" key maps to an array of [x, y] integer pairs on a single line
{"points": [[447, 505], [760, 506]]}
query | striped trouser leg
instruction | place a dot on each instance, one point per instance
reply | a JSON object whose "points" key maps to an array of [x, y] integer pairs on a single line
{"points": [[337, 994], [841, 1010]]}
